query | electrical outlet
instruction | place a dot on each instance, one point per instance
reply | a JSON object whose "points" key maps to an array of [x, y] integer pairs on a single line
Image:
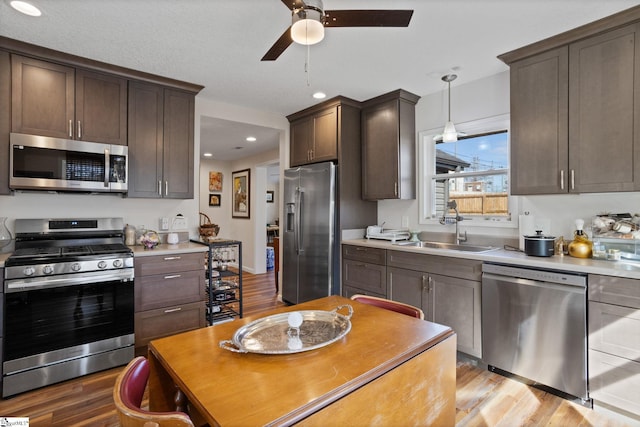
{"points": [[179, 223], [405, 221], [164, 223]]}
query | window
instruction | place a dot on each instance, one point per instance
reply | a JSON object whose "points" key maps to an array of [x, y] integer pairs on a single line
{"points": [[473, 172]]}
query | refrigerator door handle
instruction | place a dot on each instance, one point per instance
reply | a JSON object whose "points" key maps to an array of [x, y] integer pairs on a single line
{"points": [[298, 227]]}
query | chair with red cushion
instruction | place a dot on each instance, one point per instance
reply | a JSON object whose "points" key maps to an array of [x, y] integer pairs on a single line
{"points": [[128, 393], [388, 304]]}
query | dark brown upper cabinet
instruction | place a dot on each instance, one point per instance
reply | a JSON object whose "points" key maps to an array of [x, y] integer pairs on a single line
{"points": [[575, 110], [314, 138], [161, 162], [5, 119], [55, 100], [388, 146]]}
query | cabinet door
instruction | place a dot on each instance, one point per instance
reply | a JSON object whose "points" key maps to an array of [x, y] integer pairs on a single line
{"points": [[5, 120], [301, 140], [604, 117], [539, 124], [456, 303], [101, 108], [145, 138], [325, 136], [612, 380], [365, 276], [153, 324], [380, 151], [42, 98], [615, 330], [411, 287], [178, 145]]}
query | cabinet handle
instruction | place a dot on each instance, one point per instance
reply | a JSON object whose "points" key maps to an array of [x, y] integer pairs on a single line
{"points": [[79, 130], [70, 128], [171, 310], [430, 284], [395, 189], [173, 276], [573, 179], [360, 248], [166, 188], [159, 188], [171, 258], [428, 287], [562, 179]]}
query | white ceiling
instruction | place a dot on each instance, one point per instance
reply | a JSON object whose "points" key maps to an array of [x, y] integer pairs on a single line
{"points": [[219, 43]]}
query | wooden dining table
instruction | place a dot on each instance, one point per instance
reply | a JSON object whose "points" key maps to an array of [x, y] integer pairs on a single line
{"points": [[389, 369]]}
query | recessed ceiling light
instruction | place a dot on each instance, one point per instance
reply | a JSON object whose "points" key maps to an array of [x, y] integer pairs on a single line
{"points": [[319, 95], [207, 154], [26, 8], [251, 138]]}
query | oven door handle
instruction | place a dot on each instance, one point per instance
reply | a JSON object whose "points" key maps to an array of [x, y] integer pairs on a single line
{"points": [[21, 285]]}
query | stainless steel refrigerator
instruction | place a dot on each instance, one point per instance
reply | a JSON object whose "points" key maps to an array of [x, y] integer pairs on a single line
{"points": [[308, 235]]}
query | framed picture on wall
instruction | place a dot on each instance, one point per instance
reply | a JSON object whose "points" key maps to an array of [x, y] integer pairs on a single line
{"points": [[269, 196], [214, 200], [215, 181], [241, 193]]}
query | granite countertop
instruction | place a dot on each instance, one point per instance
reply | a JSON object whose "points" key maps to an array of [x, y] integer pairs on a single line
{"points": [[510, 257]]}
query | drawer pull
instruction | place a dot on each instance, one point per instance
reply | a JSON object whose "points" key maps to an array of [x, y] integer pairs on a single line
{"points": [[171, 310], [173, 276], [171, 258], [359, 248]]}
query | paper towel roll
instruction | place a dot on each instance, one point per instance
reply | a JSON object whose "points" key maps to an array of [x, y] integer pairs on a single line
{"points": [[527, 227]]}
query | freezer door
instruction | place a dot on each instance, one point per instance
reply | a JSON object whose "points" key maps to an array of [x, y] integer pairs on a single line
{"points": [[308, 234]]}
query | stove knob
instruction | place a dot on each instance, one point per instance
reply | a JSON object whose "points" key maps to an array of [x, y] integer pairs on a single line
{"points": [[28, 271], [47, 269], [117, 263], [102, 265], [76, 266]]}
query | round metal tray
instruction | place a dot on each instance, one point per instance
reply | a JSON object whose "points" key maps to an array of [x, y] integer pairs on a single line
{"points": [[275, 335]]}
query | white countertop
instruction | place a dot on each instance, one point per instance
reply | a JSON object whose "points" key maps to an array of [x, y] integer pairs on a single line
{"points": [[556, 262], [186, 247]]}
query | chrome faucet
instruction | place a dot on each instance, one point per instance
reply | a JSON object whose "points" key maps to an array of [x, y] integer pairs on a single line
{"points": [[448, 220]]}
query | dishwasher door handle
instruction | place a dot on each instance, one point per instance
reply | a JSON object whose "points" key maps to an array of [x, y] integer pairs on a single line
{"points": [[535, 283]]}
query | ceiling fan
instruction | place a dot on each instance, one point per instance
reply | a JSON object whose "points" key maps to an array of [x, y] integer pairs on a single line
{"points": [[310, 17]]}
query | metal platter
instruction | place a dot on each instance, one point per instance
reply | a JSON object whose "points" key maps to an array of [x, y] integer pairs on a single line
{"points": [[291, 332]]}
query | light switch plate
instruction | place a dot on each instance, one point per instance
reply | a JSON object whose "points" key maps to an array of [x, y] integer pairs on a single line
{"points": [[179, 223], [164, 223]]}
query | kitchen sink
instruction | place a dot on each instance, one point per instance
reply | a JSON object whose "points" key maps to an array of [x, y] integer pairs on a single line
{"points": [[448, 246]]}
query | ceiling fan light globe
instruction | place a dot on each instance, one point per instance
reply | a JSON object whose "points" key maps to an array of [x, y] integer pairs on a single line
{"points": [[307, 27]]}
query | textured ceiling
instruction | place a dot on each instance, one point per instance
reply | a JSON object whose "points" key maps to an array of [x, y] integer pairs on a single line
{"points": [[219, 43]]}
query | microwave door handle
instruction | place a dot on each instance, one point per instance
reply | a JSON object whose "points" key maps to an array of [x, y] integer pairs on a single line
{"points": [[107, 162]]}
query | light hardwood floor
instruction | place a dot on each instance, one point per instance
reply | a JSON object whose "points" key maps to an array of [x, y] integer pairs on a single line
{"points": [[483, 398]]}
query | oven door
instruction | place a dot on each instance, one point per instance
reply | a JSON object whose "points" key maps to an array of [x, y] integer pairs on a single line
{"points": [[72, 316]]}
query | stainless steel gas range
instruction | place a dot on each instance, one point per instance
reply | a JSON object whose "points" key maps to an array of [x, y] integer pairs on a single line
{"points": [[68, 301]]}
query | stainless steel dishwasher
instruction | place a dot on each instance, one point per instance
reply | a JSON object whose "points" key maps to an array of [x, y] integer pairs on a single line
{"points": [[534, 326]]}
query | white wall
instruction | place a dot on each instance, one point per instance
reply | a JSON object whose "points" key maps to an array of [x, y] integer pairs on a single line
{"points": [[487, 98]]}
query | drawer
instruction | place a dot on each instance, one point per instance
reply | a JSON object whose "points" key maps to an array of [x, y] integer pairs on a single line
{"points": [[612, 380], [452, 267], [614, 290], [365, 276], [364, 254], [348, 292], [169, 289], [614, 330], [153, 324], [166, 264]]}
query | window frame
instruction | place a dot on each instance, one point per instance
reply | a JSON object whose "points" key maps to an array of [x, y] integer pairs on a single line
{"points": [[426, 172]]}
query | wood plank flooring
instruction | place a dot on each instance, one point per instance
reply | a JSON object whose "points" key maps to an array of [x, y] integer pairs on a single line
{"points": [[483, 398]]}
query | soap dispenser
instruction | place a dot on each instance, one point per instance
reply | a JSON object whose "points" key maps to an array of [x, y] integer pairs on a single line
{"points": [[581, 246]]}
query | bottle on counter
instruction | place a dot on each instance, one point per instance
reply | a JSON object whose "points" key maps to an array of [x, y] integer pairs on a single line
{"points": [[581, 246], [129, 235], [561, 246]]}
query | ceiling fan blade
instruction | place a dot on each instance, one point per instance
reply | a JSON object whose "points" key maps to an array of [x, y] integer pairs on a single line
{"points": [[293, 4], [367, 18], [279, 46]]}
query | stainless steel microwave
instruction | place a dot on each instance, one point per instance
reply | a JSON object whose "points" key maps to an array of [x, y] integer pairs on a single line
{"points": [[44, 163]]}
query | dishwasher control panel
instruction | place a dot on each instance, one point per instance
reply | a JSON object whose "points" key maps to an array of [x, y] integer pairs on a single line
{"points": [[550, 276]]}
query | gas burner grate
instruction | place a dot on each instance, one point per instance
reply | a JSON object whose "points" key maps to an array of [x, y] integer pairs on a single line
{"points": [[109, 248], [76, 250], [36, 252]]}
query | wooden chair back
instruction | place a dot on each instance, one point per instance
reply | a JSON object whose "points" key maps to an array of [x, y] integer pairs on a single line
{"points": [[388, 304]]}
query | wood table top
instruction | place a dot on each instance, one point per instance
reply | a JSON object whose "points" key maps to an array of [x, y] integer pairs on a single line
{"points": [[256, 389]]}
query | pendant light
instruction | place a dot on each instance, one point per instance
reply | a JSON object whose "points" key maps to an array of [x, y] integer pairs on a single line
{"points": [[449, 133]]}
